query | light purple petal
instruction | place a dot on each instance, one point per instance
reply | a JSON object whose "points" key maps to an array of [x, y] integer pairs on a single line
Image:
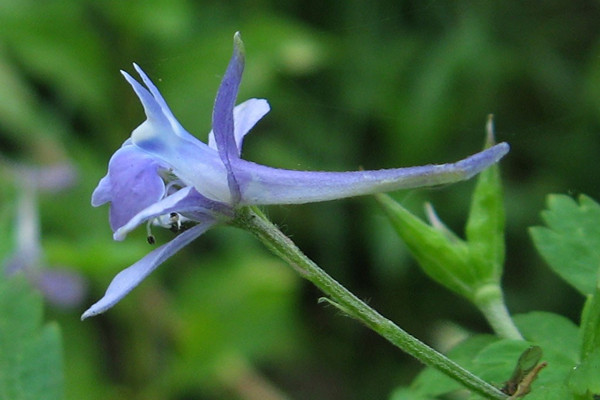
{"points": [[56, 177], [222, 121], [264, 185], [131, 185], [245, 116], [129, 278], [186, 200], [166, 111]]}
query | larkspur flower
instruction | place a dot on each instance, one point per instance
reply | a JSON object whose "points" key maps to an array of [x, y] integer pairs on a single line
{"points": [[61, 287], [164, 176]]}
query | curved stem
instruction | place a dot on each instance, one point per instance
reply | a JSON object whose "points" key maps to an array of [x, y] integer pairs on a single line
{"points": [[252, 219], [490, 301]]}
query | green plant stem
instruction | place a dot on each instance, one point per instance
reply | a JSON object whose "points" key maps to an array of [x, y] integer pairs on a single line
{"points": [[490, 301], [253, 220]]}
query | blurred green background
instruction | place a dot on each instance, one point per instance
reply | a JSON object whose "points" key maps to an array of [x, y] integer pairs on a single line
{"points": [[351, 84]]}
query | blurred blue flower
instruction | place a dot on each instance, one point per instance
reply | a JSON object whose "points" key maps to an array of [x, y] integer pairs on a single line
{"points": [[61, 287], [164, 176]]}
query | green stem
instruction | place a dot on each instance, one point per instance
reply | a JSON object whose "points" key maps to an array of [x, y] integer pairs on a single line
{"points": [[490, 301], [253, 220]]}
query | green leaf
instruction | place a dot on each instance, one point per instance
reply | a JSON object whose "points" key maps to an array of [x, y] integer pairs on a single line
{"points": [[30, 354], [570, 243], [551, 391], [585, 378], [552, 332]]}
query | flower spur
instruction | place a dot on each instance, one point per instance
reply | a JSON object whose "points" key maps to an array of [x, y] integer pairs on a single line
{"points": [[163, 175]]}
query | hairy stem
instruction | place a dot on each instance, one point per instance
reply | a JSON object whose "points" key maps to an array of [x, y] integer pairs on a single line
{"points": [[490, 301], [253, 220]]}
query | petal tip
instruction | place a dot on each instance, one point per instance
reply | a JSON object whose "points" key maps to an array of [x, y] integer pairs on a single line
{"points": [[140, 71], [503, 149], [238, 46], [119, 235], [88, 313]]}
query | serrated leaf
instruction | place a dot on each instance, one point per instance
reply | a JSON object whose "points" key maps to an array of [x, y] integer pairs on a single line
{"points": [[30, 354], [570, 243]]}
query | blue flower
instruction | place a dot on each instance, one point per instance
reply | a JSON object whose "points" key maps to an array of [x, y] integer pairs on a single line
{"points": [[61, 287], [164, 176]]}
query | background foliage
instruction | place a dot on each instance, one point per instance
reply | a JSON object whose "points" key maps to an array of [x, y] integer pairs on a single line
{"points": [[371, 84]]}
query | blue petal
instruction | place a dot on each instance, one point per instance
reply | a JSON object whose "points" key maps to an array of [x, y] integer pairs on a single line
{"points": [[245, 116], [186, 200], [162, 136], [265, 185], [223, 114], [132, 184], [130, 277]]}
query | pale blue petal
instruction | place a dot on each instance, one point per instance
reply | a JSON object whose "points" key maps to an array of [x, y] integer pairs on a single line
{"points": [[245, 116], [264, 185], [152, 108], [158, 98], [129, 278], [193, 162]]}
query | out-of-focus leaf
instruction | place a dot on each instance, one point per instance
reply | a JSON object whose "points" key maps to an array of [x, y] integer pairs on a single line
{"points": [[241, 308], [30, 354]]}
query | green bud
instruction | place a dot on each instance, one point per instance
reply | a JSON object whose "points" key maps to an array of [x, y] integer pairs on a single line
{"points": [[485, 226], [445, 258], [464, 267]]}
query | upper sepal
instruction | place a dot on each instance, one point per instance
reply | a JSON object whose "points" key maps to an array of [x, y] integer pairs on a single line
{"points": [[222, 121]]}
